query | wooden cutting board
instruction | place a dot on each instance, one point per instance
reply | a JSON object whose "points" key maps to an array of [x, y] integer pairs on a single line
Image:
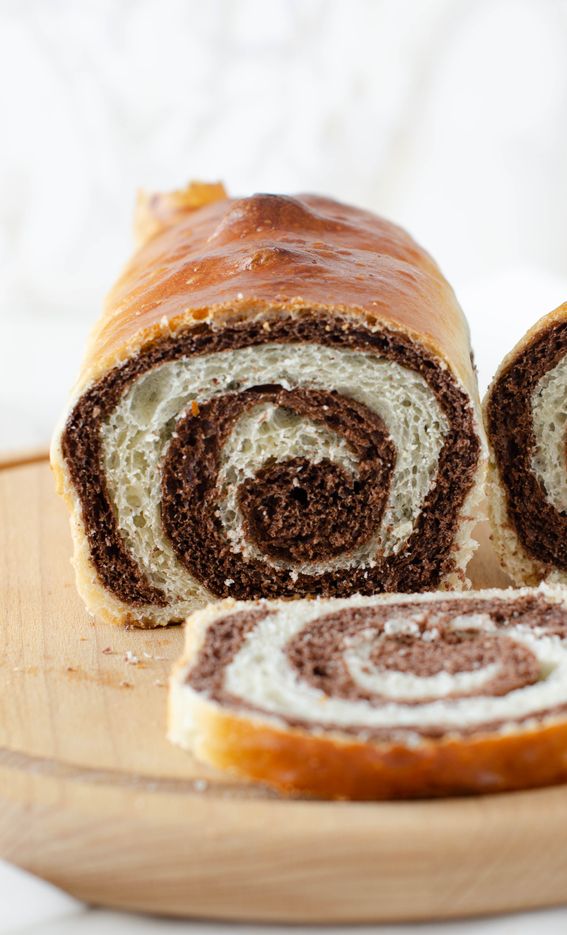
{"points": [[93, 798]]}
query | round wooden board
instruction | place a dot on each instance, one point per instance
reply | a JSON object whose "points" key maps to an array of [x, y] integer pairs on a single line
{"points": [[93, 798]]}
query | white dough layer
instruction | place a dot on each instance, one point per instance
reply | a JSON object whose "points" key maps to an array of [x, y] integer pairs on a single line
{"points": [[136, 436], [549, 417]]}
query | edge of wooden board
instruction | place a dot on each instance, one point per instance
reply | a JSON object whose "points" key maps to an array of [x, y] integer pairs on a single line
{"points": [[14, 459], [147, 849], [170, 846]]}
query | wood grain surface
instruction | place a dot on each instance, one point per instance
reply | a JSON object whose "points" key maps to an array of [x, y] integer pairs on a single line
{"points": [[93, 798]]}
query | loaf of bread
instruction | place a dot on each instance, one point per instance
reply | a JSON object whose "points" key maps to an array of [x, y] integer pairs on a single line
{"points": [[278, 401], [379, 697], [526, 421]]}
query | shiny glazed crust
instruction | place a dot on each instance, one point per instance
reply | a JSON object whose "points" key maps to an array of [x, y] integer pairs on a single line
{"points": [[399, 285], [204, 258], [523, 568]]}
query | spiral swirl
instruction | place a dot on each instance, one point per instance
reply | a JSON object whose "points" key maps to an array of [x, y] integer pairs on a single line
{"points": [[527, 427], [293, 511], [272, 457], [385, 669]]}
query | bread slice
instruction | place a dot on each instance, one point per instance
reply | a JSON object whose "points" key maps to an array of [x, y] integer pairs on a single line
{"points": [[525, 413], [379, 697]]}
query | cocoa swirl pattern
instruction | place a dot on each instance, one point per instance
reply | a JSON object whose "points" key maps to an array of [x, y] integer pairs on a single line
{"points": [[155, 451], [385, 669], [526, 423], [293, 510]]}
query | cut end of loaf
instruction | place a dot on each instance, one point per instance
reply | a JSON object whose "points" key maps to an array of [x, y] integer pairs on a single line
{"points": [[328, 445], [526, 423]]}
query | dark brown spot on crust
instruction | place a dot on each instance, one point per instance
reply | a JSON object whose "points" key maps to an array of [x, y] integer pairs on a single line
{"points": [[420, 566], [541, 528]]}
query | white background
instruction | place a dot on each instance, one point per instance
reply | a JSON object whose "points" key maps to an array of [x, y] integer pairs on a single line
{"points": [[450, 116]]}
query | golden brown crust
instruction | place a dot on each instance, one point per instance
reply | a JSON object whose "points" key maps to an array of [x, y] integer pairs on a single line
{"points": [[522, 567], [235, 257], [294, 761]]}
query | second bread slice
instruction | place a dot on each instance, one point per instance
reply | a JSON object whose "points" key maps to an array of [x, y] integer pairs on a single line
{"points": [[379, 697]]}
